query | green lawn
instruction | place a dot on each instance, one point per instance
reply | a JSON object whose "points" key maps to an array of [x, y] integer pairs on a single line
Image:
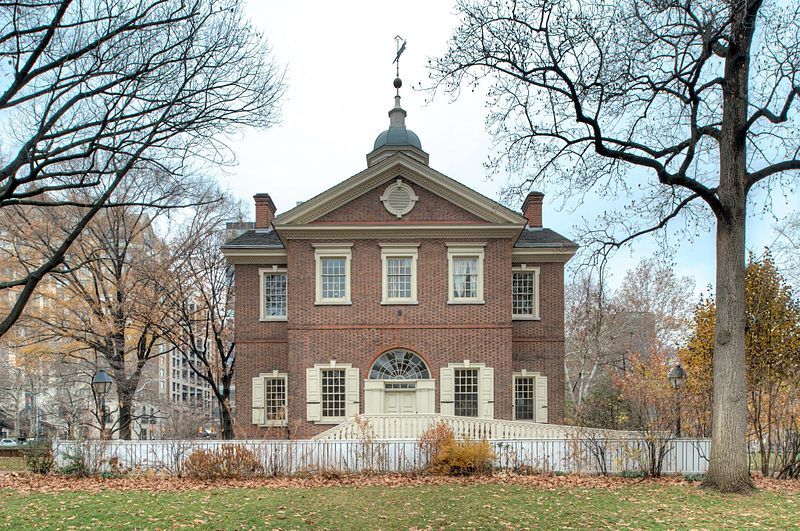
{"points": [[460, 506], [11, 464]]}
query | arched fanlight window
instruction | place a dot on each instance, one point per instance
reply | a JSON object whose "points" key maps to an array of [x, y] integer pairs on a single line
{"points": [[399, 365]]}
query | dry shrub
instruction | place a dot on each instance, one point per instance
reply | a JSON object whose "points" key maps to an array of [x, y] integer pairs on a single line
{"points": [[229, 461], [435, 438], [451, 457]]}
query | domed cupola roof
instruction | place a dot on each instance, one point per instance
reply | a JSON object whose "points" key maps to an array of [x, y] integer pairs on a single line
{"points": [[398, 137], [397, 134]]}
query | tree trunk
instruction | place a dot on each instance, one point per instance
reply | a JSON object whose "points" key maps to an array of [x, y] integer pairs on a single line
{"points": [[729, 469], [125, 410], [225, 420]]}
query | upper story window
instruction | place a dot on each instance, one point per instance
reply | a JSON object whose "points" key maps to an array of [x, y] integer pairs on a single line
{"points": [[465, 264], [399, 265], [333, 273], [525, 293], [274, 295]]}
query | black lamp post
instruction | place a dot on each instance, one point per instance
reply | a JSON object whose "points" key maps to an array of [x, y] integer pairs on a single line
{"points": [[677, 378], [101, 383]]}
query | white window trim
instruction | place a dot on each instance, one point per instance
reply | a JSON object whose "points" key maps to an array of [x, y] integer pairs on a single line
{"points": [[337, 250], [467, 250], [485, 408], [404, 250], [536, 282], [272, 376], [334, 365], [262, 314], [524, 373]]}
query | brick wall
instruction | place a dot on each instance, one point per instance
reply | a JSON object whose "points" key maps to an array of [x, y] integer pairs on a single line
{"points": [[357, 334]]}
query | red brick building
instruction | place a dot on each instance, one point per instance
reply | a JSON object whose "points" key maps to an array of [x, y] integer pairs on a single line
{"points": [[399, 291]]}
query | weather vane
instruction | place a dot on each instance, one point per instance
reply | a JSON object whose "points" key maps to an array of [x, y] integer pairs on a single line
{"points": [[400, 49]]}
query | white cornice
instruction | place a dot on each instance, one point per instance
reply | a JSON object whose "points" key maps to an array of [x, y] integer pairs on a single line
{"points": [[255, 256], [335, 232], [543, 254]]}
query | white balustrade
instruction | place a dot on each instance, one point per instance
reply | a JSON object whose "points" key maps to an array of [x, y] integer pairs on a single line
{"points": [[413, 426]]}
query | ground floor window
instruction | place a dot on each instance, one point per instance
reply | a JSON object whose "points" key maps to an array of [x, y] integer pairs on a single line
{"points": [[524, 397], [530, 396], [269, 397], [466, 392], [275, 399], [333, 393]]}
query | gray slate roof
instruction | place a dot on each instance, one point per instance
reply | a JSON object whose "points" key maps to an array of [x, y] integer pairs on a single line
{"points": [[268, 239], [257, 238], [541, 237]]}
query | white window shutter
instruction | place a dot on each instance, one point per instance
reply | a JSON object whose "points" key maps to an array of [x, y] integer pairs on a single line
{"points": [[487, 393], [258, 400], [541, 399], [447, 391], [313, 399], [351, 392]]}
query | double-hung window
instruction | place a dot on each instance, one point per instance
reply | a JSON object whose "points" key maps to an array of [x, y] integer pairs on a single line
{"points": [[530, 396], [274, 294], [269, 395], [465, 270], [399, 266], [524, 397], [332, 392], [466, 392], [525, 293], [275, 400], [333, 273]]}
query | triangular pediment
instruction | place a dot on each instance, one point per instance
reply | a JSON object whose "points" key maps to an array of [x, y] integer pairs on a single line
{"points": [[439, 197]]}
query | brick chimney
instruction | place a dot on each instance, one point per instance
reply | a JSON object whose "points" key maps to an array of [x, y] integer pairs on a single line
{"points": [[265, 210], [532, 209]]}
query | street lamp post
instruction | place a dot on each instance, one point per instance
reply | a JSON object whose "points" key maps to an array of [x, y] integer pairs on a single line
{"points": [[101, 383], [677, 378]]}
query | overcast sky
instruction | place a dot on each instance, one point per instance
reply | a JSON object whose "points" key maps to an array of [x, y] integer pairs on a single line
{"points": [[339, 75]]}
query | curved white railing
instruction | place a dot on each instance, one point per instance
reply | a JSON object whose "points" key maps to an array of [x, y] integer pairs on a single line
{"points": [[413, 426]]}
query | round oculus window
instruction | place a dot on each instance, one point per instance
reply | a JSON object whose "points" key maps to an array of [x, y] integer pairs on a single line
{"points": [[399, 198]]}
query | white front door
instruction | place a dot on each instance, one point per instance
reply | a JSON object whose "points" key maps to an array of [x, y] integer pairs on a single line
{"points": [[400, 402]]}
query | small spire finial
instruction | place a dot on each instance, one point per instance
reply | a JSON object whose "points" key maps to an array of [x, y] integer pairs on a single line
{"points": [[400, 49]]}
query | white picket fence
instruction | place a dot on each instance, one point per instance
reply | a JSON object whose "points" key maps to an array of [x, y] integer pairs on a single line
{"points": [[289, 457]]}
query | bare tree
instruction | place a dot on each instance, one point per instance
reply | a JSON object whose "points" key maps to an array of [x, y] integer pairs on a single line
{"points": [[587, 337], [604, 328], [95, 89], [786, 248], [701, 95], [654, 288], [104, 307], [198, 307]]}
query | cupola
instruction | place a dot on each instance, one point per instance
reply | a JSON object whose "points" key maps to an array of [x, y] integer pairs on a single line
{"points": [[398, 138]]}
